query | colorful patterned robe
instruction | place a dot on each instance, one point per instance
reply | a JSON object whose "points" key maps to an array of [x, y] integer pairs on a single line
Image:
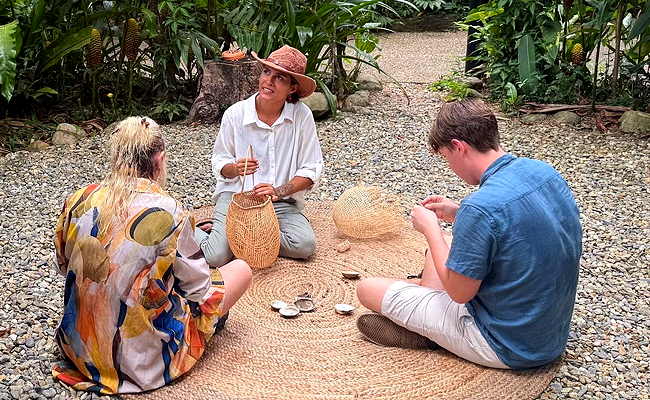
{"points": [[140, 302]]}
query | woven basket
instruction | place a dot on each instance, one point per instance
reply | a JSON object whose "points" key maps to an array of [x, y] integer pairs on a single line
{"points": [[365, 212], [252, 229]]}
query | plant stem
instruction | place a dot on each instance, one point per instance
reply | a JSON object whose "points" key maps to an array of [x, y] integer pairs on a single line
{"points": [[566, 27], [593, 96], [94, 82], [130, 85], [617, 45]]}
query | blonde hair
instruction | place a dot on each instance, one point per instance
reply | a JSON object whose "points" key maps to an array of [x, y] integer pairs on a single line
{"points": [[134, 143]]}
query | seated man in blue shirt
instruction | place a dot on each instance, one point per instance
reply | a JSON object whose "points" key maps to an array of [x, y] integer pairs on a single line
{"points": [[502, 294]]}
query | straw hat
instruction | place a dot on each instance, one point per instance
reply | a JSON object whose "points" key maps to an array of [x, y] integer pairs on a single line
{"points": [[290, 61]]}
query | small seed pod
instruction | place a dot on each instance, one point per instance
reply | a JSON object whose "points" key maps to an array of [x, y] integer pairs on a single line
{"points": [[577, 54], [132, 39], [94, 49]]}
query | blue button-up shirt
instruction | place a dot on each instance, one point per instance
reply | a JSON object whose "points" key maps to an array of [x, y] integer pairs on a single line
{"points": [[520, 234]]}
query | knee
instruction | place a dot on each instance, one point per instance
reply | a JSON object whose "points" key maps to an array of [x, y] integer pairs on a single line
{"points": [[370, 293], [302, 248], [217, 258], [363, 287], [243, 271]]}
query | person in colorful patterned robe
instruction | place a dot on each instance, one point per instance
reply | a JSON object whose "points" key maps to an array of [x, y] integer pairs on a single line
{"points": [[140, 302]]}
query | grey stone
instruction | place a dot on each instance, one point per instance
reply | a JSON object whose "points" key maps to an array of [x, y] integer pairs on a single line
{"points": [[16, 391], [62, 138], [369, 82], [566, 118], [49, 393], [532, 118], [317, 103], [71, 129], [38, 145], [29, 343], [635, 122], [356, 100], [474, 93], [473, 82]]}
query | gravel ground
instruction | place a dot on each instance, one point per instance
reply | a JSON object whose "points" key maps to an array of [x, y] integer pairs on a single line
{"points": [[607, 355], [420, 57]]}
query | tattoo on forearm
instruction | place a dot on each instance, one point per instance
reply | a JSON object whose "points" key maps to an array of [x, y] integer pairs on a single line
{"points": [[284, 190]]}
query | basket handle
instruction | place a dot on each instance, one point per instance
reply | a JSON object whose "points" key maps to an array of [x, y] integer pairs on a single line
{"points": [[243, 181]]}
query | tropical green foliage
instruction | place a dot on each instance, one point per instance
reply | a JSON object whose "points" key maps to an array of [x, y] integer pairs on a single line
{"points": [[526, 47], [55, 33], [453, 87], [44, 43], [329, 33], [10, 42]]}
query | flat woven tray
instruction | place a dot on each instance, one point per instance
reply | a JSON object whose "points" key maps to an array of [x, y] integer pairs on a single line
{"points": [[321, 355]]}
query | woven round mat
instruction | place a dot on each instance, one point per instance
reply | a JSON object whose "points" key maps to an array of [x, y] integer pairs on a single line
{"points": [[321, 355]]}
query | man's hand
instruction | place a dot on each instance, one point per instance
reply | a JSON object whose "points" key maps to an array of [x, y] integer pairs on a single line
{"points": [[444, 208], [235, 169], [246, 166], [265, 189], [424, 220]]}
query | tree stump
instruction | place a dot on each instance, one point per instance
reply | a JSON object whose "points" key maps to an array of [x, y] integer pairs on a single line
{"points": [[223, 83]]}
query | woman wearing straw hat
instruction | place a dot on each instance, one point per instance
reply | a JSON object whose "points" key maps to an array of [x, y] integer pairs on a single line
{"points": [[287, 159], [140, 300]]}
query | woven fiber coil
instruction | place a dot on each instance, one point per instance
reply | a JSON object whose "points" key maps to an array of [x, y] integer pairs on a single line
{"points": [[253, 230], [366, 212], [321, 355]]}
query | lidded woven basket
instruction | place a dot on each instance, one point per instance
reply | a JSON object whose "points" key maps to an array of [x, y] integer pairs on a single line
{"points": [[252, 229], [365, 212]]}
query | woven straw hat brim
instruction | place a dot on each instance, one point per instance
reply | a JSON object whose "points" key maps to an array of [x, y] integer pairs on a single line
{"points": [[322, 355], [306, 85]]}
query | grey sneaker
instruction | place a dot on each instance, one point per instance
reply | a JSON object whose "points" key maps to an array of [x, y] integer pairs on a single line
{"points": [[384, 332]]}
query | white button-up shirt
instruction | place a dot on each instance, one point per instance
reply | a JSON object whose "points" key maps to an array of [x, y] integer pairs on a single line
{"points": [[286, 149]]}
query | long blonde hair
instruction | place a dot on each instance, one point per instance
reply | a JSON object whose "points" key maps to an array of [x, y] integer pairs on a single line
{"points": [[134, 144]]}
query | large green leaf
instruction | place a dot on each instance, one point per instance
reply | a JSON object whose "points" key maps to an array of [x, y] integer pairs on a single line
{"points": [[331, 99], [9, 47], [642, 23], [303, 33], [37, 18], [483, 15], [46, 90], [526, 56], [73, 41], [291, 14]]}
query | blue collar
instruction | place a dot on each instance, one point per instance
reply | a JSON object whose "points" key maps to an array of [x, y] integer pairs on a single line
{"points": [[496, 165]]}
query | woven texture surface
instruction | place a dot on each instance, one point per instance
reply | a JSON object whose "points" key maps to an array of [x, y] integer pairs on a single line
{"points": [[367, 212], [253, 230], [321, 355]]}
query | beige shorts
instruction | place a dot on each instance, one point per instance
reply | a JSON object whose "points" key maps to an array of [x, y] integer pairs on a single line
{"points": [[432, 313]]}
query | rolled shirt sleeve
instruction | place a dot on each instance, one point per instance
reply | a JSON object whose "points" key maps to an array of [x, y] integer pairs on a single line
{"points": [[310, 158], [473, 244], [223, 151]]}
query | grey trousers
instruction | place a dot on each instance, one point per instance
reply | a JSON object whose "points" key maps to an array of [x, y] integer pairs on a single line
{"points": [[297, 239]]}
